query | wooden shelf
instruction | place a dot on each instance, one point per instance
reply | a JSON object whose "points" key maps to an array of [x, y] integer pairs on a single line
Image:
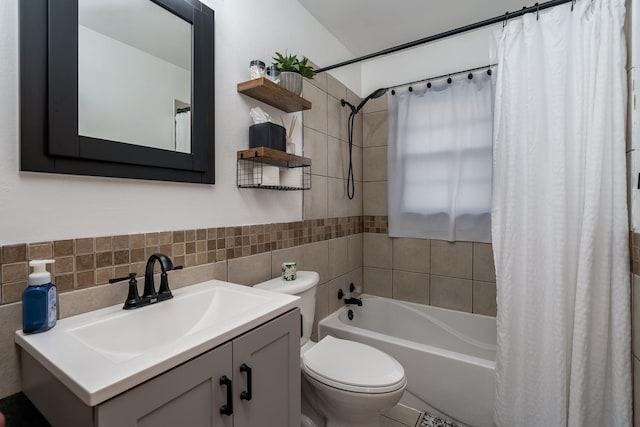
{"points": [[273, 157], [275, 95]]}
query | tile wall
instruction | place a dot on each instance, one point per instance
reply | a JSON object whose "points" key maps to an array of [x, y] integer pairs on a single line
{"points": [[459, 276], [634, 251]]}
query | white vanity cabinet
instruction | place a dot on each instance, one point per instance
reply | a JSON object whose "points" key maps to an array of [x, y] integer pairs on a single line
{"points": [[262, 365]]}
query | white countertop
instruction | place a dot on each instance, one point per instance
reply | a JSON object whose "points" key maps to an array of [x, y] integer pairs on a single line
{"points": [[79, 350]]}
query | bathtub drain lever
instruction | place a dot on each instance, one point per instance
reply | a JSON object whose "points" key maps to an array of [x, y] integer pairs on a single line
{"points": [[353, 300]]}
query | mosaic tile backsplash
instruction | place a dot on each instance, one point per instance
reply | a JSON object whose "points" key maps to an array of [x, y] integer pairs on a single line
{"points": [[86, 262]]}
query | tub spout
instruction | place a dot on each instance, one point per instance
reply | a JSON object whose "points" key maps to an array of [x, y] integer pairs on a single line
{"points": [[352, 300]]}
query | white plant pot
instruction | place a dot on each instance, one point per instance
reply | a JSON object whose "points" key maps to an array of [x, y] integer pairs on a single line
{"points": [[291, 81]]}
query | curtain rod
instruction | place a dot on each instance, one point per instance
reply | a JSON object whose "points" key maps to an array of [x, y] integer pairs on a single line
{"points": [[502, 18], [456, 73]]}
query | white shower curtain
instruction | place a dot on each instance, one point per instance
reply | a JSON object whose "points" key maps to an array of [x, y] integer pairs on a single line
{"points": [[559, 219]]}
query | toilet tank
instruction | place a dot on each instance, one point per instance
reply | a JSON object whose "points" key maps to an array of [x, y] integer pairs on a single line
{"points": [[304, 287]]}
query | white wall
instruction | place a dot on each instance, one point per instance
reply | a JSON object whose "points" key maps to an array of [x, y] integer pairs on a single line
{"points": [[35, 206], [126, 94], [463, 52]]}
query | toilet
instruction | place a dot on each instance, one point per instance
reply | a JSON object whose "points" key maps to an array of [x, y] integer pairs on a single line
{"points": [[346, 382]]}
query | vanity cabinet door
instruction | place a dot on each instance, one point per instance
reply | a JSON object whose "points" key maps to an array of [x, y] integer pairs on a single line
{"points": [[188, 395], [266, 372]]}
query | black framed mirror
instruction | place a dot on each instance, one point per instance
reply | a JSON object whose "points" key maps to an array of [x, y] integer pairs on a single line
{"points": [[60, 133]]}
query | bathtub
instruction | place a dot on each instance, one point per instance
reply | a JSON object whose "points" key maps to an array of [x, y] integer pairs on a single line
{"points": [[448, 356]]}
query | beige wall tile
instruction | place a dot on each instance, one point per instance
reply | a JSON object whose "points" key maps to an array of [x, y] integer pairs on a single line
{"points": [[635, 315], [375, 164], [315, 200], [63, 248], [411, 254], [14, 253], [375, 129], [337, 257], [94, 298], [318, 80], [375, 198], [412, 287], [484, 298], [12, 292], [358, 139], [338, 158], [341, 282], [357, 278], [335, 88], [84, 246], [336, 119], [404, 414], [354, 206], [11, 320], [295, 254], [14, 272], [483, 266], [449, 292], [322, 306], [377, 250], [337, 197], [315, 148], [316, 258], [378, 281], [41, 250], [316, 117], [354, 251], [104, 244], [250, 270], [452, 259], [378, 104], [636, 392]]}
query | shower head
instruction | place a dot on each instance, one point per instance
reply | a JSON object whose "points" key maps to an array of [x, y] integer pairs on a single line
{"points": [[375, 94]]}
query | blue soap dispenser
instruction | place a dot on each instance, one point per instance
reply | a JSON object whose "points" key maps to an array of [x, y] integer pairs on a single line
{"points": [[39, 300]]}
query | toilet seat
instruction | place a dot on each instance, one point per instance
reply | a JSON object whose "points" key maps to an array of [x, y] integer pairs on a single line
{"points": [[352, 366]]}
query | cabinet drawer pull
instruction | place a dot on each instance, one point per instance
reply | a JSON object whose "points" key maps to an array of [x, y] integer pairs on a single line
{"points": [[227, 409], [246, 395]]}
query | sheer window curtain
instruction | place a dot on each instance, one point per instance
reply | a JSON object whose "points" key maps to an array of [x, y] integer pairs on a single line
{"points": [[559, 219], [439, 160]]}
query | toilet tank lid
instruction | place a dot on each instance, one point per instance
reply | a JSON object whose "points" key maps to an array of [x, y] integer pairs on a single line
{"points": [[304, 280]]}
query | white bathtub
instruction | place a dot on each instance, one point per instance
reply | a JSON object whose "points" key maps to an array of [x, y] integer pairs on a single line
{"points": [[448, 356]]}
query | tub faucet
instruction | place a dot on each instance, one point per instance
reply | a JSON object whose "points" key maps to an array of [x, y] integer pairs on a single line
{"points": [[352, 300]]}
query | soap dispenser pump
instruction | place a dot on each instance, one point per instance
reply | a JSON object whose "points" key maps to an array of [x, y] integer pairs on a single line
{"points": [[39, 300]]}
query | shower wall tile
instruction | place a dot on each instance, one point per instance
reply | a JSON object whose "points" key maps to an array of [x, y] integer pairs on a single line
{"points": [[354, 206], [335, 88], [318, 80], [452, 293], [337, 257], [357, 123], [336, 118], [377, 250], [375, 128], [315, 200], [322, 307], [378, 281], [340, 282], [338, 155], [357, 278], [378, 104], [375, 198], [354, 251], [452, 259], [636, 393], [483, 265], [315, 148], [635, 314], [376, 160], [484, 298], [411, 254], [337, 197], [412, 287], [316, 117]]}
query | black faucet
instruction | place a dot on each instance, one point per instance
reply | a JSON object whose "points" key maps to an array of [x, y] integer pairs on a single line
{"points": [[352, 300], [149, 296]]}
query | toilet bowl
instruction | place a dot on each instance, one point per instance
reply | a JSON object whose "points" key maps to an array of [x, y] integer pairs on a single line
{"points": [[347, 383]]}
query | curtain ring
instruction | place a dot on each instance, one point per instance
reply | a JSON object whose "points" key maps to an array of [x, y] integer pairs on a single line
{"points": [[449, 80], [470, 76], [573, 3], [428, 85], [393, 91], [506, 18], [537, 5], [489, 72], [410, 89]]}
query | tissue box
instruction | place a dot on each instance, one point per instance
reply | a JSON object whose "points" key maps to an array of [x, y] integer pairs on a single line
{"points": [[268, 135]]}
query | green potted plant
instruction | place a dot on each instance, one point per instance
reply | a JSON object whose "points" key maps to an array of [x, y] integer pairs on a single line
{"points": [[292, 70]]}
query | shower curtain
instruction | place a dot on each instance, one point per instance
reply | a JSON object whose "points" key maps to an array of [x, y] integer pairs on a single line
{"points": [[559, 219]]}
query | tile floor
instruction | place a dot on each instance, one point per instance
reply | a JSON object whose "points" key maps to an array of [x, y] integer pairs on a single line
{"points": [[404, 416]]}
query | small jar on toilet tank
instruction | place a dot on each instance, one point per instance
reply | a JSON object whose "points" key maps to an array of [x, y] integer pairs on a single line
{"points": [[289, 270]]}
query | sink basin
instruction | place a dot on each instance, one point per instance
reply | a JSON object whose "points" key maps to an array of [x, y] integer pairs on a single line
{"points": [[103, 353], [129, 334]]}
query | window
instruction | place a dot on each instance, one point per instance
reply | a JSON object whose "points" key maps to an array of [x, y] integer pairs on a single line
{"points": [[440, 161]]}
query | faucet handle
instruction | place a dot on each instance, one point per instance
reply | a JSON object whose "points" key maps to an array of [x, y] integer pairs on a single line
{"points": [[133, 298]]}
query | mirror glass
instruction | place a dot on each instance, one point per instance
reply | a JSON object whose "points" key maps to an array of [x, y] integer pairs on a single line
{"points": [[134, 74]]}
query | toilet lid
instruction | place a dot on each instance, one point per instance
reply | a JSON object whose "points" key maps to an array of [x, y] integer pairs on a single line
{"points": [[352, 366]]}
